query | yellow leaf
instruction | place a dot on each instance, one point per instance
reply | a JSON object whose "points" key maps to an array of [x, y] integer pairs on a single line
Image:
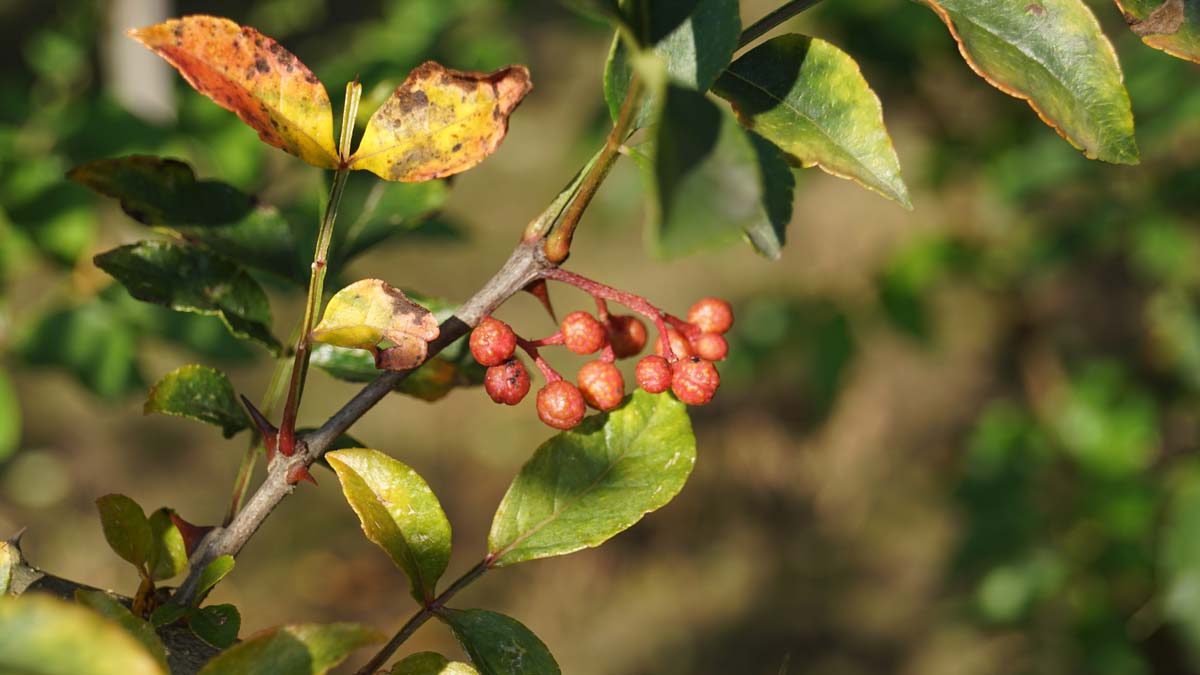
{"points": [[250, 74], [367, 312], [439, 122]]}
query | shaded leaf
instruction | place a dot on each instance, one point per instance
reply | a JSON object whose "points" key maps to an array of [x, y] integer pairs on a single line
{"points": [[432, 381], [809, 98], [583, 486], [693, 54], [126, 528], [188, 279], [199, 393], [168, 614], [47, 636], [713, 181], [168, 556], [430, 663], [1170, 25], [439, 122], [158, 191], [1053, 54], [10, 417], [250, 74], [301, 649], [373, 211], [263, 240], [218, 625], [399, 512], [370, 310], [1179, 557], [213, 573], [498, 644], [110, 608], [91, 343]]}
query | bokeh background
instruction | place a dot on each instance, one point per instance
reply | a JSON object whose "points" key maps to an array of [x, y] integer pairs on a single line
{"points": [[960, 439]]}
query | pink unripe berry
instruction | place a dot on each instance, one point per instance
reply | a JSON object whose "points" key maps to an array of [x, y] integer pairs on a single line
{"points": [[710, 347], [507, 383], [680, 347], [711, 315], [582, 333], [492, 342], [602, 385], [560, 405], [694, 381], [626, 334], [654, 374]]}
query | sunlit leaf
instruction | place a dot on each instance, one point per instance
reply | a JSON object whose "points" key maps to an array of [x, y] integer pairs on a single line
{"points": [[439, 122], [430, 663], [43, 635], [189, 279], [213, 573], [126, 528], [168, 556], [302, 649], [1053, 54], [141, 630], [199, 393], [498, 644], [693, 54], [809, 98], [10, 558], [218, 625], [250, 74], [370, 310], [399, 512], [1170, 25], [584, 486], [713, 182], [158, 191]]}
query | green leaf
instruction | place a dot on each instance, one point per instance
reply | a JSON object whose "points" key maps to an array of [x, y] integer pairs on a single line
{"points": [[1053, 54], [498, 644], [199, 393], [433, 380], [1179, 557], [693, 54], [809, 98], [584, 486], [168, 614], [369, 311], [126, 528], [142, 631], [43, 635], [158, 191], [399, 513], [302, 649], [713, 182], [430, 663], [10, 417], [213, 573], [10, 558], [168, 556], [218, 625], [189, 279], [91, 343], [1170, 25], [263, 240]]}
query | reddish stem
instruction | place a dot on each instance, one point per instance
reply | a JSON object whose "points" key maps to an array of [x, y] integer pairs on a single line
{"points": [[631, 300], [531, 348]]}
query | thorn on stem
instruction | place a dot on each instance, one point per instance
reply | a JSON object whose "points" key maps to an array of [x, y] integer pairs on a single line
{"points": [[267, 431], [541, 291], [298, 473]]}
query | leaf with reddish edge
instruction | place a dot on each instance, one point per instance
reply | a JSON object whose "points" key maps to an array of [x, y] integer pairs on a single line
{"points": [[192, 534], [1172, 26], [1052, 54], [439, 122], [370, 310], [253, 76]]}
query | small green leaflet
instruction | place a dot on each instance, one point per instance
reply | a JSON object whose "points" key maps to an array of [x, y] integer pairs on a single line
{"points": [[200, 393]]}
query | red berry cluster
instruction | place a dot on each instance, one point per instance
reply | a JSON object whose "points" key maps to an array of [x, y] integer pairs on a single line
{"points": [[682, 361]]}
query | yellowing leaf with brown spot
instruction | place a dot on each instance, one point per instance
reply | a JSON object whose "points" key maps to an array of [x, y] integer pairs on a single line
{"points": [[250, 74], [369, 311], [439, 122]]}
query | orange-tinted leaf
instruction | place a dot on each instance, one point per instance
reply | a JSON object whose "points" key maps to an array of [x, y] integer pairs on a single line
{"points": [[369, 311], [439, 122], [250, 74]]}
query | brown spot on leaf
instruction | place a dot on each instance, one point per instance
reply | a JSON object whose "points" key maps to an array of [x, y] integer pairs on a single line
{"points": [[1036, 9], [260, 64], [1166, 19]]}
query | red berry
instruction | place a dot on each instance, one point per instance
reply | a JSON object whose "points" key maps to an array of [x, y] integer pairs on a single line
{"points": [[507, 383], [710, 347], [602, 385], [694, 381], [680, 347], [627, 335], [582, 333], [492, 342], [654, 374], [560, 405], [711, 315]]}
